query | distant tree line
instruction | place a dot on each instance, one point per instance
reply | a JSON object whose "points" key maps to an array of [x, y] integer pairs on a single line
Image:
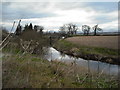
{"points": [[65, 30], [71, 29], [29, 27]]}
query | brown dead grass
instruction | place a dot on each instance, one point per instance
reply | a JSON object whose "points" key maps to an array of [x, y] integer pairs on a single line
{"points": [[96, 41]]}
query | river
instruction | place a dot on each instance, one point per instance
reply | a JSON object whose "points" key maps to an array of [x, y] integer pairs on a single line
{"points": [[94, 66]]}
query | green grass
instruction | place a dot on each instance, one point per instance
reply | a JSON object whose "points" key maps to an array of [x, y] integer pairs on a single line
{"points": [[67, 46], [64, 45], [30, 71]]}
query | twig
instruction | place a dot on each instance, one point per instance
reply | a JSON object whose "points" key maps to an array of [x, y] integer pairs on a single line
{"points": [[84, 79], [78, 78], [8, 34], [4, 45]]}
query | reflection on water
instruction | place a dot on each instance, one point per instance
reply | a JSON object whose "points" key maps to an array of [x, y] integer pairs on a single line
{"points": [[106, 68]]}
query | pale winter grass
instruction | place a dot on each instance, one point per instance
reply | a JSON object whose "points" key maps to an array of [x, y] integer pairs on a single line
{"points": [[25, 70], [29, 71], [96, 41]]}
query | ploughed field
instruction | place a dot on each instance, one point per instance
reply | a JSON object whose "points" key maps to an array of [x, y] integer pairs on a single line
{"points": [[96, 41]]}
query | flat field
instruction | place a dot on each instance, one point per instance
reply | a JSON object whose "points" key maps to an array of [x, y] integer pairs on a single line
{"points": [[96, 41]]}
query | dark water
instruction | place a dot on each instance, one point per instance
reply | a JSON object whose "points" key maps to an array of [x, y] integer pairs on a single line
{"points": [[106, 68]]}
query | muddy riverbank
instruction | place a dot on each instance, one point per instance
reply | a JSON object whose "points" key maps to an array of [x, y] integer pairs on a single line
{"points": [[111, 60], [88, 53]]}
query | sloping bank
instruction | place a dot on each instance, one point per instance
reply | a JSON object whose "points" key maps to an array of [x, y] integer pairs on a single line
{"points": [[88, 53], [31, 71]]}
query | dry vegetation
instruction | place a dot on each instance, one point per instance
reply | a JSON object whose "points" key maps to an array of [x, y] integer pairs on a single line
{"points": [[96, 41], [23, 68], [29, 71]]}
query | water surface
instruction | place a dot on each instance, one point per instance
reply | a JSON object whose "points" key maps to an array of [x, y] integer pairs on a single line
{"points": [[106, 68]]}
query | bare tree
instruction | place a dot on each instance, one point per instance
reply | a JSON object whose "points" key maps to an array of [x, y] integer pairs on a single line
{"points": [[70, 29], [75, 28], [96, 28], [86, 29]]}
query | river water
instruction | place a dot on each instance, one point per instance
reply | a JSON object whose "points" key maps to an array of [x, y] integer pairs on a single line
{"points": [[94, 66]]}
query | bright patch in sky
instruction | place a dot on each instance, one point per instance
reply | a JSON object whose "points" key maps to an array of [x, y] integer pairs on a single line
{"points": [[52, 15]]}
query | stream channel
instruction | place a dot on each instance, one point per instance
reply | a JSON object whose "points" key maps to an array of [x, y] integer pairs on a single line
{"points": [[110, 69]]}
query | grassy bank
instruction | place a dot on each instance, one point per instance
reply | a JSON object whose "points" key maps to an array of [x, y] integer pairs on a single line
{"points": [[30, 71], [88, 52]]}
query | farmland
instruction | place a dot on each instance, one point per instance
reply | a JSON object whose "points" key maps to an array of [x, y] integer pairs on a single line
{"points": [[103, 48], [96, 41], [59, 44]]}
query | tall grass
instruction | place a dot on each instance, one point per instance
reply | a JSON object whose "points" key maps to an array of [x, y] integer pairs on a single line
{"points": [[30, 71], [24, 69]]}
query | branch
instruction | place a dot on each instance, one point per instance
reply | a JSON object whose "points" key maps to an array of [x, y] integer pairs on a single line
{"points": [[4, 45], [8, 34]]}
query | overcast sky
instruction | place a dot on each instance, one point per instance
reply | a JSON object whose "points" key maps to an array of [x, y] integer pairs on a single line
{"points": [[52, 15]]}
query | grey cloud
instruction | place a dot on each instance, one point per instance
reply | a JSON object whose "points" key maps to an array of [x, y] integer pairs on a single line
{"points": [[69, 5], [11, 11], [27, 10]]}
